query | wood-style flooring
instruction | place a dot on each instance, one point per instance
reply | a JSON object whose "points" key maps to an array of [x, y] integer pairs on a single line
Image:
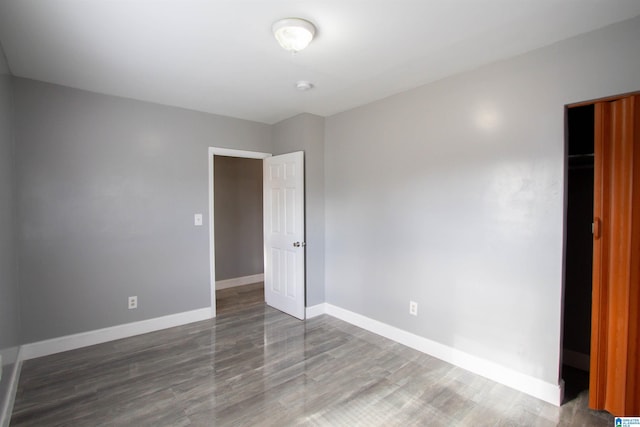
{"points": [[260, 367], [239, 297]]}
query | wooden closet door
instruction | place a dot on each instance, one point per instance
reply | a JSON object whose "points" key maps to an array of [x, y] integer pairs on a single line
{"points": [[614, 381]]}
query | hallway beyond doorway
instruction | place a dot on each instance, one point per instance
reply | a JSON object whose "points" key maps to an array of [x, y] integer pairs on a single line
{"points": [[231, 300]]}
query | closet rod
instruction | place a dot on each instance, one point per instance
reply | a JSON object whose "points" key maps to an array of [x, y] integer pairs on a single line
{"points": [[578, 156]]}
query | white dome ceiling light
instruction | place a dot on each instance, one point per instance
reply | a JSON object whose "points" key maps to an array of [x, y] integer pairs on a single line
{"points": [[304, 85], [293, 34]]}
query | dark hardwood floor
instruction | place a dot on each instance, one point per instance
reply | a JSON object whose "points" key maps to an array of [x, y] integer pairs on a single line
{"points": [[260, 367], [239, 297]]}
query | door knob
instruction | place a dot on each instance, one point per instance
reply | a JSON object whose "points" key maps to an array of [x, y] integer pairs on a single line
{"points": [[298, 244]]}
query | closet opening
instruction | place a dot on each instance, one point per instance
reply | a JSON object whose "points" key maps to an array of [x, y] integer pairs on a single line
{"points": [[576, 345]]}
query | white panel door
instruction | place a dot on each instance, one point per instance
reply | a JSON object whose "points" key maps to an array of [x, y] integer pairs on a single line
{"points": [[284, 246]]}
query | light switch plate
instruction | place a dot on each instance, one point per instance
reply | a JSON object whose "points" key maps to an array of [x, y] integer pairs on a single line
{"points": [[197, 219]]}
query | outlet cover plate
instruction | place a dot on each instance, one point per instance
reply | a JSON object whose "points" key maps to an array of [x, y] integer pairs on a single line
{"points": [[413, 308]]}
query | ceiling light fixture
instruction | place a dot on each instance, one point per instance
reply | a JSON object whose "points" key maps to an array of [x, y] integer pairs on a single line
{"points": [[293, 34], [304, 85]]}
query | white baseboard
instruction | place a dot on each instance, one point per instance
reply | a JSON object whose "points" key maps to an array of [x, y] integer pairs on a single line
{"points": [[576, 359], [552, 393], [84, 339], [239, 281], [315, 310], [6, 406]]}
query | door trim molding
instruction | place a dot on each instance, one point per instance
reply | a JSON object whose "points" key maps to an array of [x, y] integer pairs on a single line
{"points": [[229, 152]]}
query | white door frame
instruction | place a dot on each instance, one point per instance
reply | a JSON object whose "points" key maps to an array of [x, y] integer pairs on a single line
{"points": [[216, 151]]}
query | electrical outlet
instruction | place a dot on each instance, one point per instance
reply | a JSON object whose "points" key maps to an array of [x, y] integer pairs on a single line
{"points": [[133, 302], [413, 308]]}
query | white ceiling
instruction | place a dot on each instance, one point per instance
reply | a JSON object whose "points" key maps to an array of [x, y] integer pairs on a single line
{"points": [[219, 56]]}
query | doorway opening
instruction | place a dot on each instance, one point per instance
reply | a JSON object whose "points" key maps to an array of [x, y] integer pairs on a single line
{"points": [[283, 229], [235, 228], [238, 222], [614, 247], [576, 345]]}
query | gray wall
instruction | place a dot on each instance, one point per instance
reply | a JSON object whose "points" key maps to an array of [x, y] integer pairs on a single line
{"points": [[238, 217], [452, 195], [107, 189], [305, 132], [9, 298]]}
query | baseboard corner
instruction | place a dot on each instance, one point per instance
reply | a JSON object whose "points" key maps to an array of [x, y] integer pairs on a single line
{"points": [[315, 310]]}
